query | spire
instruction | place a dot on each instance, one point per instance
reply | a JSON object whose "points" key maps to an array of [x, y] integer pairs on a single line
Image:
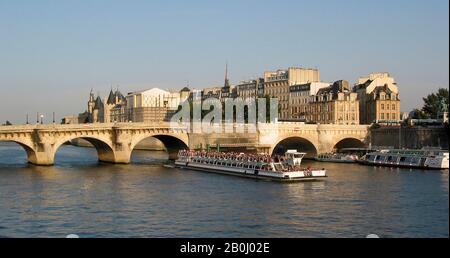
{"points": [[98, 103], [91, 95], [226, 85], [111, 98]]}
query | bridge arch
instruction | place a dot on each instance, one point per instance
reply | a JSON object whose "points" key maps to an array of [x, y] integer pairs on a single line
{"points": [[105, 151], [298, 143], [172, 142], [29, 150], [349, 142]]}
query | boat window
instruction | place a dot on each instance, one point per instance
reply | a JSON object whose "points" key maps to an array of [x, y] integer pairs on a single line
{"points": [[392, 158], [381, 158]]}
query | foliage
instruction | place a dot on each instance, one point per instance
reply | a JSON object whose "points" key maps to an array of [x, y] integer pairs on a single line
{"points": [[433, 103], [419, 114]]}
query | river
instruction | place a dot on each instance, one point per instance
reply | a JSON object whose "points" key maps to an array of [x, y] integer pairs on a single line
{"points": [[80, 196]]}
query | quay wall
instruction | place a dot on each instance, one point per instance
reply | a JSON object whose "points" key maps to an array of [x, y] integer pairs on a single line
{"points": [[410, 137]]}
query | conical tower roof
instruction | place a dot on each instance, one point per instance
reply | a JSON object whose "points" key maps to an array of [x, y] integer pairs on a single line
{"points": [[98, 103], [111, 98]]}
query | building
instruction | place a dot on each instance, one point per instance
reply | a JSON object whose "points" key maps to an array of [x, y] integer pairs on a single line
{"points": [[153, 105], [106, 111], [379, 100], [250, 89], [335, 104], [277, 83], [300, 96], [212, 92]]}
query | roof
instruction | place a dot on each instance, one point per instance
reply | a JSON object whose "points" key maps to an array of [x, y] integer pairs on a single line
{"points": [[98, 103], [111, 98], [185, 89], [120, 96]]}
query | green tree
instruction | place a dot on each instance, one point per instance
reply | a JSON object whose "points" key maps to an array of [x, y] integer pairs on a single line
{"points": [[433, 102], [419, 114]]}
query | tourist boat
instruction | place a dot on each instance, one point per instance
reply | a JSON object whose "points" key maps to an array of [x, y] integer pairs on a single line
{"points": [[337, 158], [261, 166], [426, 159]]}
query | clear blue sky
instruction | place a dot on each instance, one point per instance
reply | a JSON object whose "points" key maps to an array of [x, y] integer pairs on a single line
{"points": [[52, 52]]}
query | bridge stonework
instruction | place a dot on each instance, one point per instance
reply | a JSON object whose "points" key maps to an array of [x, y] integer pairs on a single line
{"points": [[115, 142]]}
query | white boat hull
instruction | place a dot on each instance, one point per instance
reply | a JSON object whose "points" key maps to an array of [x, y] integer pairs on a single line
{"points": [[254, 173]]}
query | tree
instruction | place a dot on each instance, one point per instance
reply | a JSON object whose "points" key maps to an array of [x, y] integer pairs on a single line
{"points": [[419, 114], [433, 102], [7, 123]]}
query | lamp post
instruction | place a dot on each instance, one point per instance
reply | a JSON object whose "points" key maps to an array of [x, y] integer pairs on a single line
{"points": [[53, 117], [27, 119], [42, 119], [37, 118]]}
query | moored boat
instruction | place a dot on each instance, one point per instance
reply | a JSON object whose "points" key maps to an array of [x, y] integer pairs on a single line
{"points": [[337, 158], [425, 159], [261, 166]]}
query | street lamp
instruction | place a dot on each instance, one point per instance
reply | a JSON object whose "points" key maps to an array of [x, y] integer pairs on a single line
{"points": [[42, 119]]}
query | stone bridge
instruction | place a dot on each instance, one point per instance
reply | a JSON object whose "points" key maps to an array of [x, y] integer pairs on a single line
{"points": [[115, 142]]}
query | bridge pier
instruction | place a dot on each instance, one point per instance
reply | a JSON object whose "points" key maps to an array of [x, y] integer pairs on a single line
{"points": [[41, 159]]}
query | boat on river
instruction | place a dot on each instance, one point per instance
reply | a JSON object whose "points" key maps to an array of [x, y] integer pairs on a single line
{"points": [[337, 158], [425, 159], [285, 168]]}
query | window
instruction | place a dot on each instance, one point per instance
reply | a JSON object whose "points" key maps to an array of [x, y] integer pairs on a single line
{"points": [[387, 116], [393, 106], [394, 116], [387, 106], [382, 106], [382, 115]]}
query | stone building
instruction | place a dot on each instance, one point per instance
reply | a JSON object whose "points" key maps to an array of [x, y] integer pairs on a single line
{"points": [[107, 111], [300, 96], [336, 104], [144, 106], [153, 105], [277, 83], [379, 100], [249, 89]]}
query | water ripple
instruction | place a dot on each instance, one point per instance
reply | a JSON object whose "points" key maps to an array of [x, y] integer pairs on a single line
{"points": [[144, 199]]}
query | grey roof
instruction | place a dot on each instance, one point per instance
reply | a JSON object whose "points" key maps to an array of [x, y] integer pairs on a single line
{"points": [[98, 103], [120, 96], [111, 98]]}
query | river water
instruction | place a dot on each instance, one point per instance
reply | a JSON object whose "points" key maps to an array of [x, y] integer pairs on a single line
{"points": [[80, 196]]}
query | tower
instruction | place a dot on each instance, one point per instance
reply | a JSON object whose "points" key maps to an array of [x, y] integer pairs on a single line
{"points": [[226, 86], [91, 105]]}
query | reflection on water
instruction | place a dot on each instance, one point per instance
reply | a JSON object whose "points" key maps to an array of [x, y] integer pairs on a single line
{"points": [[80, 196]]}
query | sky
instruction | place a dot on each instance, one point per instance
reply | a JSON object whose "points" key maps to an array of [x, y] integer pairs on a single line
{"points": [[53, 52]]}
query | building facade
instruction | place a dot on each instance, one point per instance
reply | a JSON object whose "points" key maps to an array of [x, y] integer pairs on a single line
{"points": [[152, 105], [336, 104], [277, 83], [378, 97], [250, 89], [300, 97]]}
